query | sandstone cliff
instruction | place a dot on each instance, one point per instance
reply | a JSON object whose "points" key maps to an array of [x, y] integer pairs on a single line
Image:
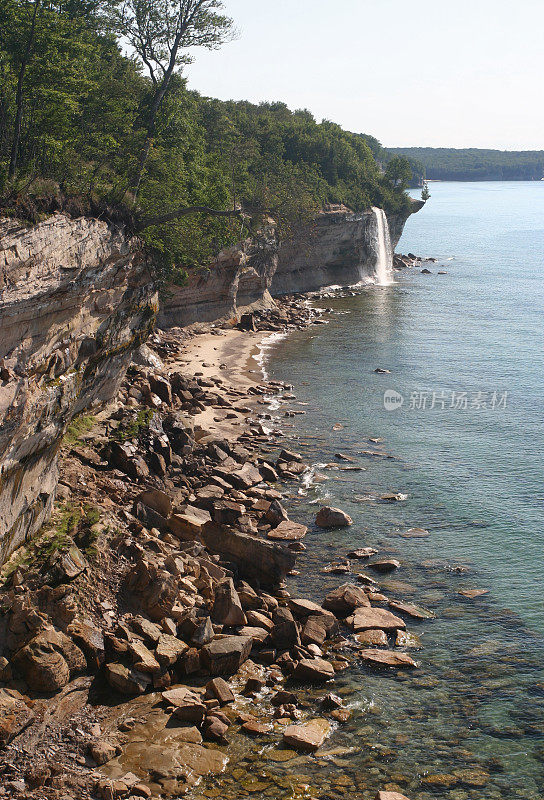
{"points": [[238, 280], [75, 300], [337, 250]]}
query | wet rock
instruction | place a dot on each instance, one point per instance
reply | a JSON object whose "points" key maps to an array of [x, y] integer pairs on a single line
{"points": [[219, 689], [256, 728], [331, 701], [227, 609], [102, 752], [374, 637], [329, 517], [225, 656], [15, 715], [314, 670], [307, 736], [318, 628], [416, 612], [362, 552], [125, 680], [215, 729], [345, 599], [190, 710], [385, 565], [388, 658], [390, 796], [366, 619], [472, 594], [288, 531]]}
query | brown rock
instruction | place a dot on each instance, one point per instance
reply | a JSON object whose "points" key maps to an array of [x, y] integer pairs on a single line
{"points": [[411, 610], [255, 728], [306, 608], [189, 523], [307, 736], [317, 629], [225, 656], [227, 609], [345, 599], [169, 650], [366, 619], [285, 631], [374, 637], [102, 752], [215, 729], [288, 531], [219, 689], [389, 658], [125, 680], [390, 796], [329, 517], [142, 658], [15, 715], [385, 565], [48, 661], [313, 670]]}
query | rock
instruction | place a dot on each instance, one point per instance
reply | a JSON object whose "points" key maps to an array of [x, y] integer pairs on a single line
{"points": [[313, 670], [48, 661], [156, 500], [227, 609], [125, 680], [215, 729], [374, 637], [285, 631], [169, 650], [362, 552], [203, 632], [307, 736], [68, 565], [259, 620], [317, 629], [406, 639], [329, 517], [188, 524], [143, 659], [288, 531], [390, 796], [366, 619], [306, 608], [190, 710], [345, 599], [472, 594], [416, 612], [331, 701], [389, 658], [15, 715], [102, 752], [177, 696], [275, 513], [225, 656], [385, 565], [256, 558], [255, 728], [91, 640], [220, 689]]}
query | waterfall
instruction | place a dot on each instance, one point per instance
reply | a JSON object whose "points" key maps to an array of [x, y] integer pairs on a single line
{"points": [[382, 246]]}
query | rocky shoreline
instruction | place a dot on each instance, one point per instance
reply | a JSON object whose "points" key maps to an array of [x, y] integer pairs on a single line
{"points": [[161, 578]]}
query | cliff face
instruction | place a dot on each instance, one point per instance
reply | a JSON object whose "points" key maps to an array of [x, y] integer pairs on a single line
{"points": [[239, 280], [75, 300], [338, 250]]}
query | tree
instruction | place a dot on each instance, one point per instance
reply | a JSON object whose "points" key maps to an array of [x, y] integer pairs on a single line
{"points": [[425, 193], [399, 172], [161, 32]]}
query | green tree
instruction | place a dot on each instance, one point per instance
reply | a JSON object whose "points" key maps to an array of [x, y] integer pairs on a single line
{"points": [[161, 33], [399, 172], [425, 193]]}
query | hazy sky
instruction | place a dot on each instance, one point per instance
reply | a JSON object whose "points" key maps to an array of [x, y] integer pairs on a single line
{"points": [[410, 72]]}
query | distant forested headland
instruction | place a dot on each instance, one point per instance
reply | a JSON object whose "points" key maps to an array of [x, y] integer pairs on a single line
{"points": [[473, 164]]}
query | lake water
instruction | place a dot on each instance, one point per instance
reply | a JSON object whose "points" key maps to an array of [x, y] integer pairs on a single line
{"points": [[465, 354]]}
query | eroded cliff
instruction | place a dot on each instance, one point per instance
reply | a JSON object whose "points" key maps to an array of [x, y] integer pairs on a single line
{"points": [[75, 300]]}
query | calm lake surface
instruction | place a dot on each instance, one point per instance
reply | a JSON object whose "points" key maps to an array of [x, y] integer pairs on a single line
{"points": [[465, 353]]}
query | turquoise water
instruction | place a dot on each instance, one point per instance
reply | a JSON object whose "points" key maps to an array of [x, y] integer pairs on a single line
{"points": [[473, 478]]}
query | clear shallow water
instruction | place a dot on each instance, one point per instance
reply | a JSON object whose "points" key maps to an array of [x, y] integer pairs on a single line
{"points": [[474, 478]]}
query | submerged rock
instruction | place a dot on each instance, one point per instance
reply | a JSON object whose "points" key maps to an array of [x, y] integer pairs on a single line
{"points": [[329, 517], [388, 658], [307, 736]]}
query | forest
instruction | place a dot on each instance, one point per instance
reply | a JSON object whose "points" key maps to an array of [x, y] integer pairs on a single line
{"points": [[96, 118], [474, 164]]}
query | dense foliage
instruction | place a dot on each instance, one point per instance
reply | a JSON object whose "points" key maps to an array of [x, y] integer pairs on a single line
{"points": [[473, 164], [75, 120]]}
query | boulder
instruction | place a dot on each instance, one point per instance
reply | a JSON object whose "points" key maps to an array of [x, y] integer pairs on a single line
{"points": [[189, 523], [329, 517], [143, 659], [385, 565], [227, 609], [156, 500], [15, 715], [366, 619], [306, 608], [102, 752], [318, 628], [225, 656], [288, 531], [48, 661], [389, 658], [91, 640], [169, 650], [390, 796], [373, 637], [345, 599], [285, 631], [126, 680], [275, 513], [307, 736], [220, 690], [314, 670], [416, 612], [256, 558]]}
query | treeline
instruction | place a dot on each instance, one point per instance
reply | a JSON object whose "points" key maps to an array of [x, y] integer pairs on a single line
{"points": [[474, 164], [87, 128]]}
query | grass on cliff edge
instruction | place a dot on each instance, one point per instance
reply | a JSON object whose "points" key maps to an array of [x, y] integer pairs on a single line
{"points": [[77, 429]]}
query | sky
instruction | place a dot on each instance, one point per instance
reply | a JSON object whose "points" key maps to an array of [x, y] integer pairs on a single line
{"points": [[427, 73]]}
